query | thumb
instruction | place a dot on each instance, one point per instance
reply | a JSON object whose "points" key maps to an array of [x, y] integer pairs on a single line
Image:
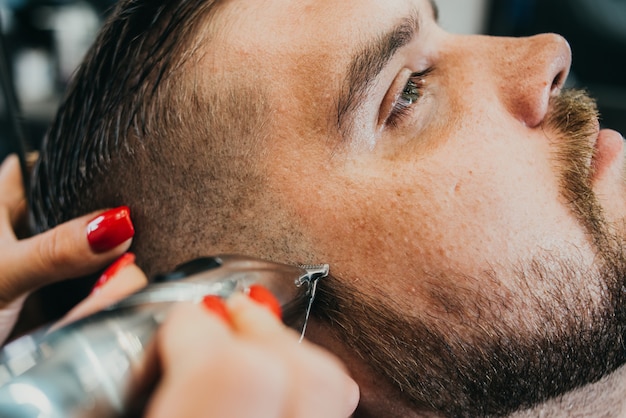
{"points": [[75, 248]]}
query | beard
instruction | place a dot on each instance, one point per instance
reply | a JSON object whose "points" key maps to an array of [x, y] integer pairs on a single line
{"points": [[497, 352]]}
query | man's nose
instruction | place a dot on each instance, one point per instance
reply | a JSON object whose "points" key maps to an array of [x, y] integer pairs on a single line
{"points": [[531, 70]]}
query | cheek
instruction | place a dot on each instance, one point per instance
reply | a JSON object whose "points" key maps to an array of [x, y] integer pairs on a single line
{"points": [[474, 204], [408, 223]]}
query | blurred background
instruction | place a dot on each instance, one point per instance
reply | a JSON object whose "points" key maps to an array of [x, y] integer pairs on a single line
{"points": [[595, 29], [46, 39]]}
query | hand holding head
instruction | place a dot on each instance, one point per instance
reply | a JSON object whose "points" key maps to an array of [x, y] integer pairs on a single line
{"points": [[75, 248]]}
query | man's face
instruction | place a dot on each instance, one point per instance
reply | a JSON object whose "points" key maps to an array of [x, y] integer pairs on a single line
{"points": [[421, 165]]}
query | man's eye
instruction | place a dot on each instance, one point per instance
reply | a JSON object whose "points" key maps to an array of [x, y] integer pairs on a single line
{"points": [[412, 91], [410, 94]]}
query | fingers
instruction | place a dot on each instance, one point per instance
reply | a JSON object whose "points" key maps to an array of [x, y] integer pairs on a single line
{"points": [[316, 373], [208, 372], [119, 280], [246, 365], [75, 248], [12, 200]]}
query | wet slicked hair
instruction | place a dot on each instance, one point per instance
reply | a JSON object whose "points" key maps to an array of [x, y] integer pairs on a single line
{"points": [[145, 124]]}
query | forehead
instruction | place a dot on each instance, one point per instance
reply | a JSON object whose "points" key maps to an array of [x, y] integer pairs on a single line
{"points": [[296, 47], [287, 26]]}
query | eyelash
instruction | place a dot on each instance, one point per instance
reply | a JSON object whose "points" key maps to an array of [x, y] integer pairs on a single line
{"points": [[402, 106]]}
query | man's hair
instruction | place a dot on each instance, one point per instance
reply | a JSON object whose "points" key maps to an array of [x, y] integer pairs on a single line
{"points": [[145, 123]]}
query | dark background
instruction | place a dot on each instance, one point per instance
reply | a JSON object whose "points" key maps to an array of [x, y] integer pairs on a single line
{"points": [[44, 41], [596, 31]]}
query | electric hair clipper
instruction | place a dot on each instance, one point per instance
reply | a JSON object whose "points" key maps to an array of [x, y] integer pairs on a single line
{"points": [[95, 366]]}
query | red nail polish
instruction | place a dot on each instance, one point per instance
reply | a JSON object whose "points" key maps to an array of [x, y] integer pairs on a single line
{"points": [[216, 305], [120, 263], [264, 297], [110, 229]]}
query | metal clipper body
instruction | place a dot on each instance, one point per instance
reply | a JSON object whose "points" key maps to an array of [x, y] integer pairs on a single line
{"points": [[96, 366]]}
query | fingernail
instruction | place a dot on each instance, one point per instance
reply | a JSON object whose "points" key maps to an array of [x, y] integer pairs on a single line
{"points": [[110, 229], [112, 270], [216, 305], [264, 297]]}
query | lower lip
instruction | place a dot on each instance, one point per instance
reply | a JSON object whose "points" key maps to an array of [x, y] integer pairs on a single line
{"points": [[609, 148]]}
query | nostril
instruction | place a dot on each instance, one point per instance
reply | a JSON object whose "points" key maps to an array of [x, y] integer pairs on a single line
{"points": [[558, 81]]}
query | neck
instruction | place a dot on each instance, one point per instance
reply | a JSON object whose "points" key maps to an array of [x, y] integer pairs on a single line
{"points": [[602, 399], [605, 398]]}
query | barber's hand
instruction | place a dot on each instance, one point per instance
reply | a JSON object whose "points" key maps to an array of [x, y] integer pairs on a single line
{"points": [[233, 359], [119, 280], [239, 360], [75, 248]]}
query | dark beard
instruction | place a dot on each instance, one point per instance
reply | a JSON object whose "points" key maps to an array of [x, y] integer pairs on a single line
{"points": [[496, 352]]}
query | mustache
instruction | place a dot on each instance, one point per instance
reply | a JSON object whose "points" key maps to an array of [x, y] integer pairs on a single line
{"points": [[572, 123], [574, 114]]}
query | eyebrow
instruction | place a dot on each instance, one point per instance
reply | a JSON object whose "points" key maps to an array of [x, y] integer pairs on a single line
{"points": [[367, 63]]}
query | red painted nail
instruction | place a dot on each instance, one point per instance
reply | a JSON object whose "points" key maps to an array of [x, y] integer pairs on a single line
{"points": [[110, 229], [264, 297], [216, 305], [111, 271]]}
